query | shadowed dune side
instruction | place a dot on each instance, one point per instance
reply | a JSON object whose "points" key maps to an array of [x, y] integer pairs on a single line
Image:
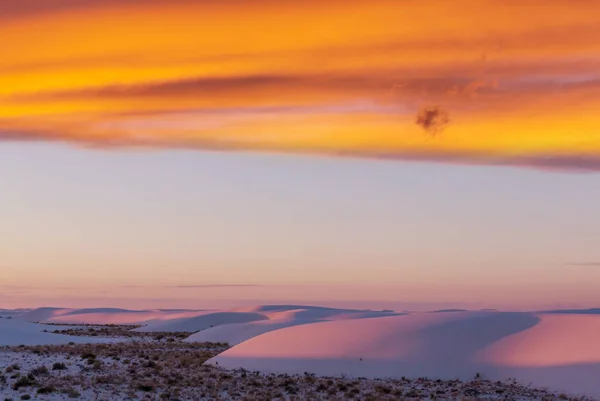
{"points": [[592, 311]]}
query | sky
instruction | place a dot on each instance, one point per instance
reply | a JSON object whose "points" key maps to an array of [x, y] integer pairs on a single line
{"points": [[198, 153]]}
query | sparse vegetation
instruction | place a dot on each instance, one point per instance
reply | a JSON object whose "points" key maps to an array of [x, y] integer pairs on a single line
{"points": [[23, 381], [116, 331]]}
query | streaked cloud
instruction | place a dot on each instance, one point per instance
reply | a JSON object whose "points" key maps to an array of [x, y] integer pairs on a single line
{"points": [[522, 88], [214, 286], [584, 264]]}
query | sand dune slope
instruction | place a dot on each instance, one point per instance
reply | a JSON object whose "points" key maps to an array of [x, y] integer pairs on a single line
{"points": [[279, 317], [562, 351], [498, 345], [202, 322], [237, 333], [10, 313], [42, 314]]}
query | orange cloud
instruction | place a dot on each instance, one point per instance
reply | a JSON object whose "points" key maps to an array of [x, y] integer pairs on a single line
{"points": [[520, 79]]}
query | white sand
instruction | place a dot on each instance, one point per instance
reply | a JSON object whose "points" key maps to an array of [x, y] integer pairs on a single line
{"points": [[279, 316], [104, 315], [202, 322], [18, 332], [451, 345]]}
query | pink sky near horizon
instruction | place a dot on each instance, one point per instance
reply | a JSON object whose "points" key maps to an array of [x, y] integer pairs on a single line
{"points": [[159, 229], [349, 296], [153, 229]]}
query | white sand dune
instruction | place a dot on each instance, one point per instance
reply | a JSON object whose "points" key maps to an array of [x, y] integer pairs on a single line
{"points": [[244, 322], [202, 322], [279, 317], [316, 314], [105, 315], [42, 314], [498, 345], [10, 313], [189, 320], [18, 332], [236, 333], [283, 308]]}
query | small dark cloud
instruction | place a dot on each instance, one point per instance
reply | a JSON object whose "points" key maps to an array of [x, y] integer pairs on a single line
{"points": [[433, 119]]}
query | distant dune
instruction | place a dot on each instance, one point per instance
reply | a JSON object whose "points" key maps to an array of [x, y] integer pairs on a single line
{"points": [[104, 315], [15, 332], [11, 313]]}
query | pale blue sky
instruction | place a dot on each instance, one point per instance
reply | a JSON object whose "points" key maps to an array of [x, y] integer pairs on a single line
{"points": [[81, 217]]}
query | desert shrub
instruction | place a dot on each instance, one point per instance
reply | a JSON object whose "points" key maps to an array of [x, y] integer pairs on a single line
{"points": [[146, 387], [88, 355], [45, 390], [97, 365], [24, 381], [383, 389], [72, 393], [59, 366], [39, 371]]}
